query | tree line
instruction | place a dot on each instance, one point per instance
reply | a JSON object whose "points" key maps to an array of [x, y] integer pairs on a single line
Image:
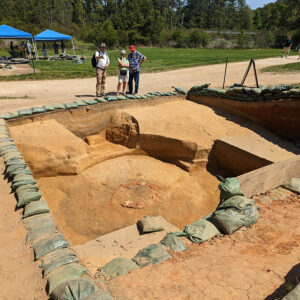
{"points": [[153, 22]]}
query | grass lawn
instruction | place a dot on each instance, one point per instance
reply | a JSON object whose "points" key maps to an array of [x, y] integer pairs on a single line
{"points": [[159, 59], [293, 67]]}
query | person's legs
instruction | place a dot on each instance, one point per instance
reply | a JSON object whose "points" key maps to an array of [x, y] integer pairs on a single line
{"points": [[103, 80], [98, 84], [130, 82], [136, 80], [299, 53], [118, 87], [124, 87]]}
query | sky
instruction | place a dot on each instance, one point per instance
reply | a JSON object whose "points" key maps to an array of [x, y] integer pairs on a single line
{"points": [[258, 3]]}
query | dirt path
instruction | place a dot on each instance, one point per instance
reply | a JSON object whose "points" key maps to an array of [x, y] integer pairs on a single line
{"points": [[59, 91]]}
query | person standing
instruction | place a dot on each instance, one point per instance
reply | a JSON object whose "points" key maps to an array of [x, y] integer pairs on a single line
{"points": [[22, 49], [44, 52], [29, 49], [298, 48], [55, 47], [12, 46], [123, 77], [287, 46], [63, 47], [102, 64], [135, 59]]}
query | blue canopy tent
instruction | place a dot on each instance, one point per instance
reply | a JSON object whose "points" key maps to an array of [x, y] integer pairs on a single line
{"points": [[7, 32], [50, 36]]}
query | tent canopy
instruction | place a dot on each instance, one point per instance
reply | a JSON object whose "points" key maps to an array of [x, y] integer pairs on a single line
{"points": [[7, 32], [50, 35]]}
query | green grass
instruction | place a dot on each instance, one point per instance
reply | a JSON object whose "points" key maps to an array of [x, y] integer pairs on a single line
{"points": [[12, 98], [293, 67], [159, 59]]}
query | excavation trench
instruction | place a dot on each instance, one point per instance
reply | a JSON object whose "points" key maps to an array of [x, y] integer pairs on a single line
{"points": [[101, 169]]}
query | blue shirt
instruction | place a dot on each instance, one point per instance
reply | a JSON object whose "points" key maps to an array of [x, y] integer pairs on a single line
{"points": [[134, 61]]}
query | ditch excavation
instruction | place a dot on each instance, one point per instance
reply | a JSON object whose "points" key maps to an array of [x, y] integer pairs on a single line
{"points": [[101, 169]]}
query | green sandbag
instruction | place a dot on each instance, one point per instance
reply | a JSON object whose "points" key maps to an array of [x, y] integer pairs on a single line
{"points": [[91, 102], [20, 171], [23, 182], [35, 208], [138, 97], [179, 90], [49, 107], [122, 97], [153, 254], [6, 143], [27, 196], [59, 106], [80, 103], [13, 114], [30, 187], [115, 268], [70, 105], [101, 100], [58, 263], [201, 231], [25, 112], [67, 272], [111, 98], [9, 149], [293, 185], [100, 295], [49, 244], [5, 116], [293, 294], [237, 202], [15, 162], [149, 224], [130, 96], [230, 220], [75, 289], [39, 226], [174, 243], [21, 177], [38, 110], [12, 156], [15, 167], [55, 255], [229, 187]]}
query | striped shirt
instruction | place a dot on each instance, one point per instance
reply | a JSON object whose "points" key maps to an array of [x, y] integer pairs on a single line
{"points": [[134, 61]]}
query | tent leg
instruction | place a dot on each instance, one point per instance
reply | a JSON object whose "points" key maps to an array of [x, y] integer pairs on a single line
{"points": [[73, 47]]}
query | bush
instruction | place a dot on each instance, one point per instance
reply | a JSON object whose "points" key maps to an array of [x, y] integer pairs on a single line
{"points": [[107, 34], [220, 43], [198, 38], [264, 39]]}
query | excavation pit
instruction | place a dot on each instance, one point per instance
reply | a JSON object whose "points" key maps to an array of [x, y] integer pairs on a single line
{"points": [[103, 167]]}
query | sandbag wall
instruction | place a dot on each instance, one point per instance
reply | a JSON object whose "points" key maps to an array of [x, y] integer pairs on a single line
{"points": [[275, 107]]}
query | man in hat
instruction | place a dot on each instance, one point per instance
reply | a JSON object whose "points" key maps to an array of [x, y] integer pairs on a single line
{"points": [[135, 60], [102, 64]]}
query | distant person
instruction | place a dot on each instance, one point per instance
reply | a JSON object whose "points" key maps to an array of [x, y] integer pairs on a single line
{"points": [[123, 76], [28, 49], [11, 45], [63, 47], [298, 48], [22, 49], [55, 47], [287, 46], [44, 52], [102, 64], [135, 59]]}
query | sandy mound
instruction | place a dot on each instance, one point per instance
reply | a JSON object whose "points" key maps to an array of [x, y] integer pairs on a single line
{"points": [[97, 201], [50, 149]]}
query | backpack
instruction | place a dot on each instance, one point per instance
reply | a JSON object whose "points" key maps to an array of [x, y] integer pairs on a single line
{"points": [[94, 61]]}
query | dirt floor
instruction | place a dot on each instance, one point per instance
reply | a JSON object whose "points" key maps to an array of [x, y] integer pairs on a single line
{"points": [[60, 91], [261, 262], [17, 69]]}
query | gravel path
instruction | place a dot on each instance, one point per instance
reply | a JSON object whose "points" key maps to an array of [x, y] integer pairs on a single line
{"points": [[58, 91]]}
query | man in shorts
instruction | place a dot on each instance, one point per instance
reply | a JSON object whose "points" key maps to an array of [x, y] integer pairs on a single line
{"points": [[135, 60], [287, 46], [123, 75], [102, 64]]}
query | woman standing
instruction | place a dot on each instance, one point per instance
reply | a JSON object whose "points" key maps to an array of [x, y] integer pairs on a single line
{"points": [[123, 64]]}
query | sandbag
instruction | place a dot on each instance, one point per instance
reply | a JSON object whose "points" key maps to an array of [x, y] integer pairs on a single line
{"points": [[293, 185], [115, 268], [149, 224], [236, 203], [23, 182], [12, 156], [90, 101], [111, 98], [38, 110], [58, 263], [173, 242], [153, 254], [101, 100], [59, 106], [15, 162], [15, 167], [20, 171], [229, 187], [6, 143], [75, 289], [30, 187], [21, 177], [38, 226], [200, 231], [49, 244], [230, 220], [293, 294], [99, 295], [80, 103], [36, 207], [49, 107], [70, 105], [24, 112], [56, 255], [67, 272], [26, 196]]}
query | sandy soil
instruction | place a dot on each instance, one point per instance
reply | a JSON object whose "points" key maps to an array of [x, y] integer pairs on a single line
{"points": [[60, 91], [20, 277], [256, 263], [17, 70]]}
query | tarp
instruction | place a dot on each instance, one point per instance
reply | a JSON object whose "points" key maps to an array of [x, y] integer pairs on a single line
{"points": [[50, 35], [7, 32]]}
